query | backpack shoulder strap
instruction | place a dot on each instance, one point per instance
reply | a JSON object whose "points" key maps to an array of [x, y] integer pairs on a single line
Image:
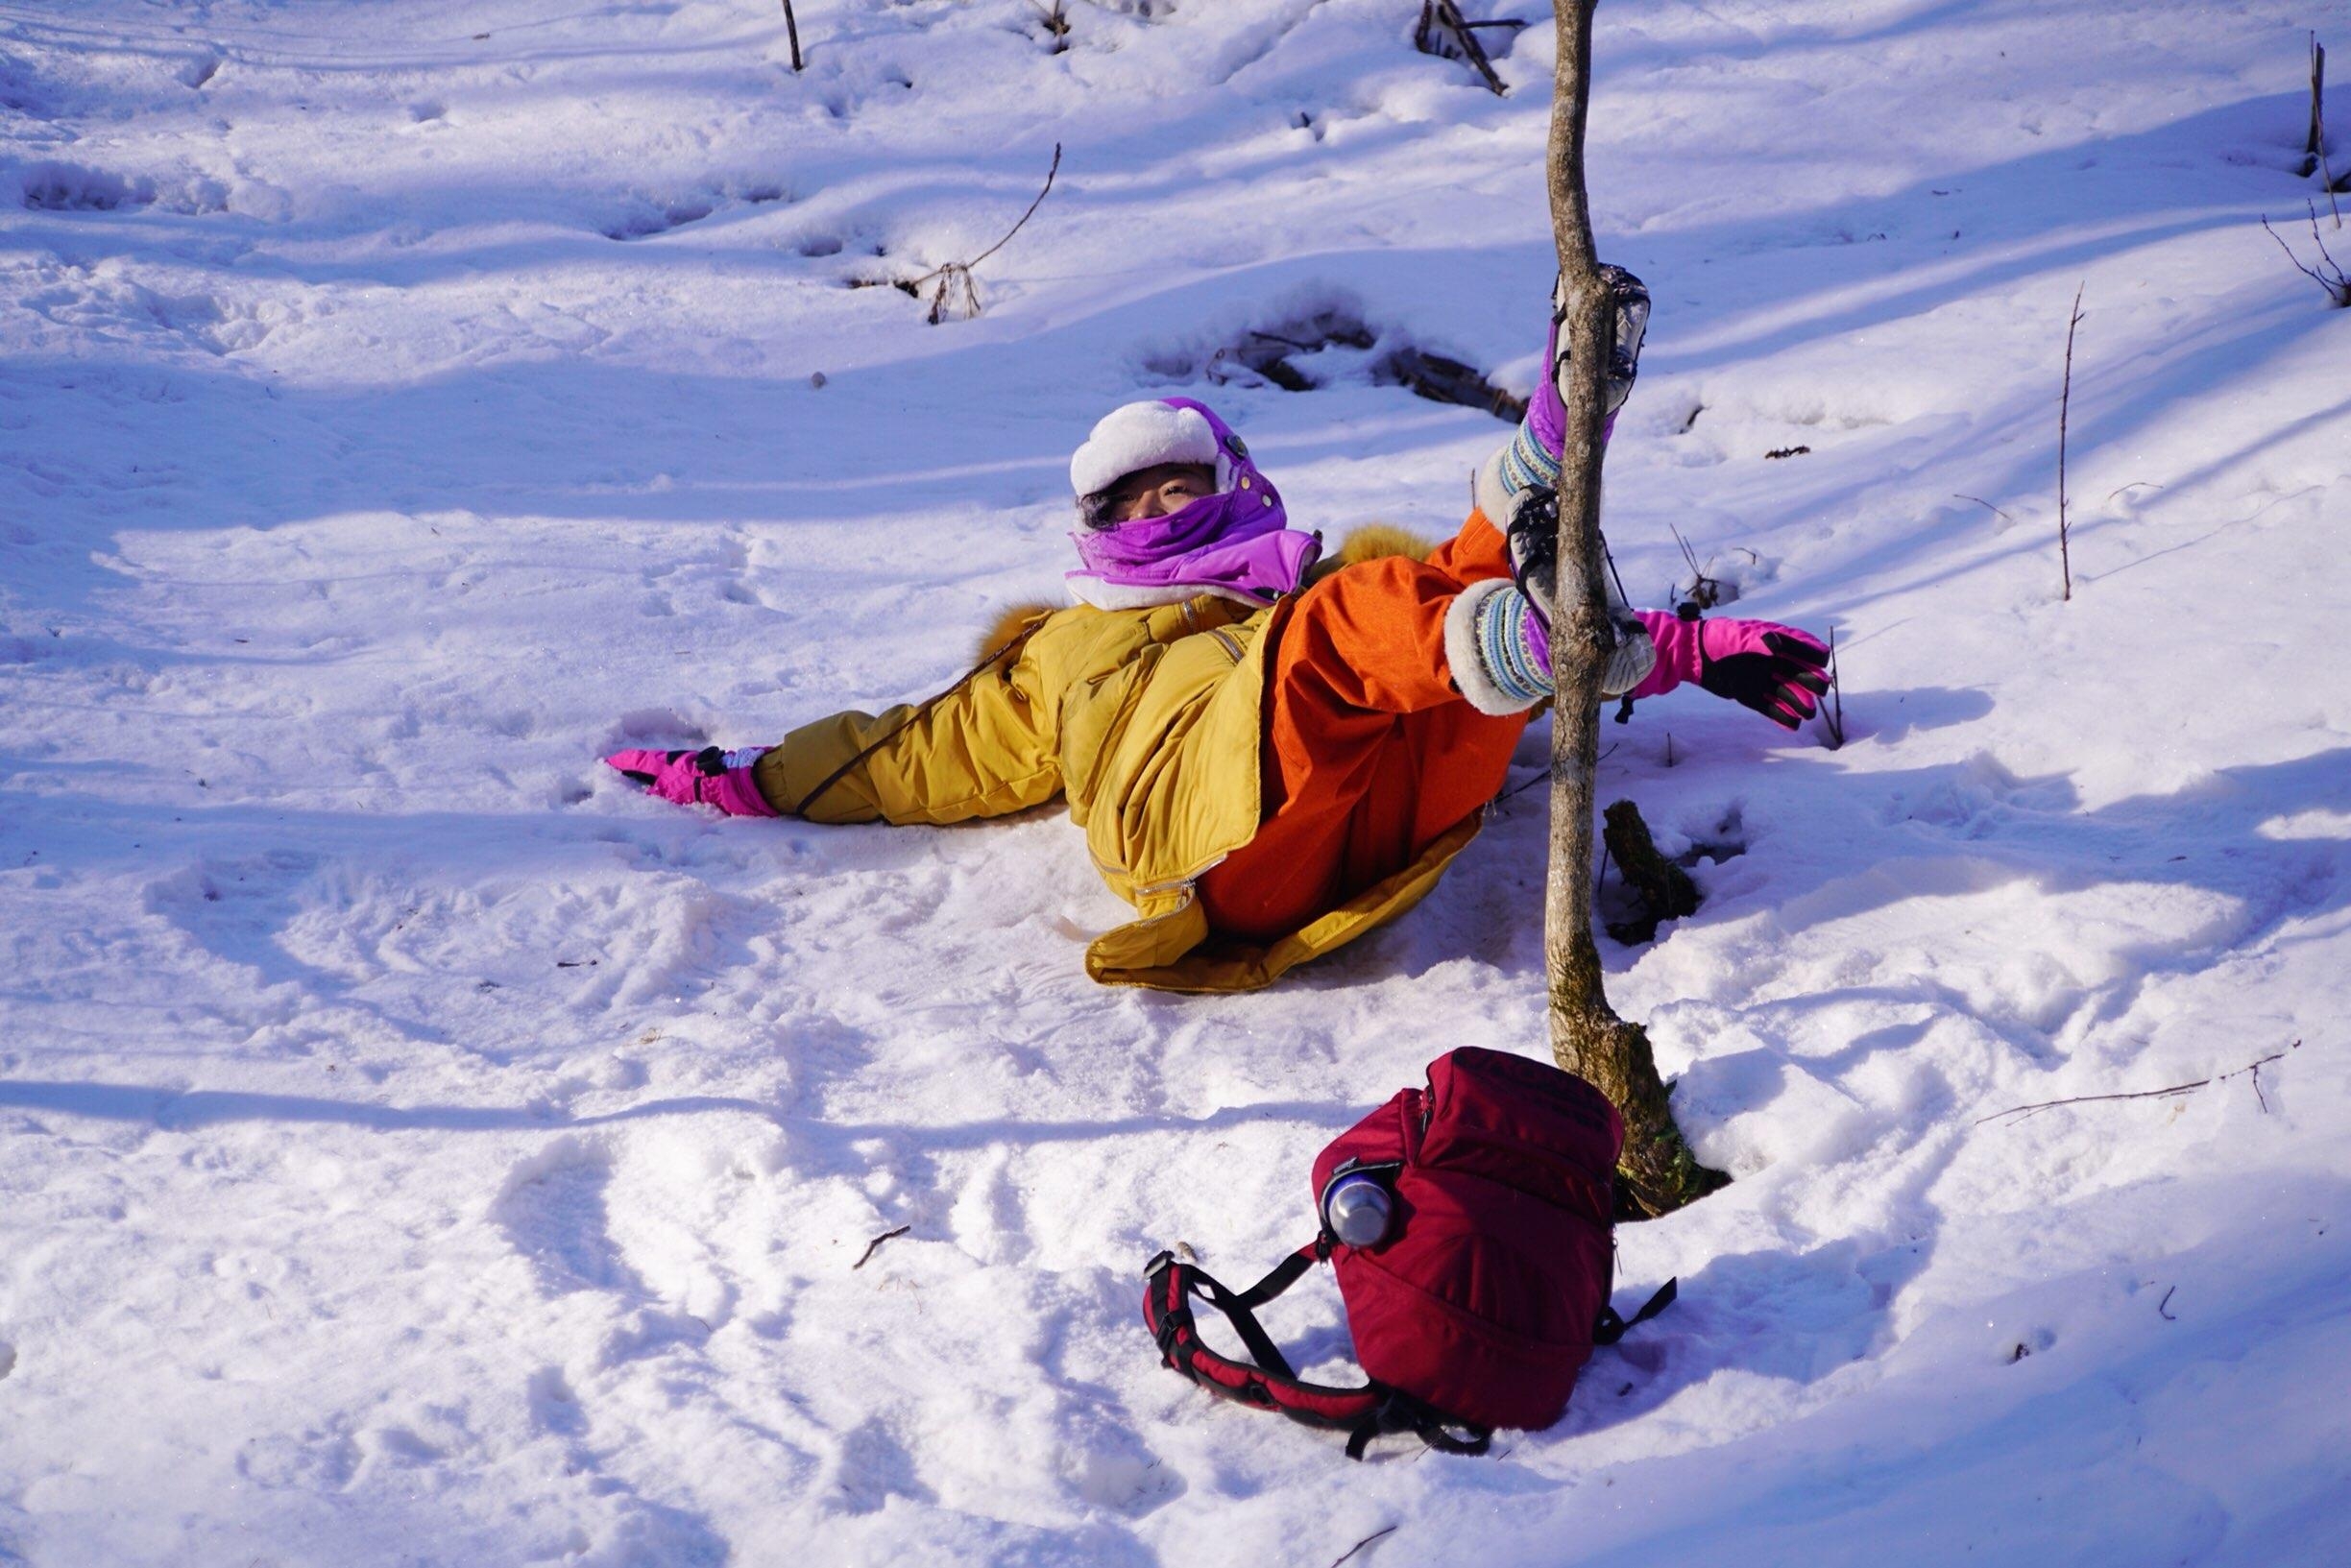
{"points": [[1268, 1381]]}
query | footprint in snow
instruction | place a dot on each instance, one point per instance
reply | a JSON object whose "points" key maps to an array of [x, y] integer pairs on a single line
{"points": [[552, 1209], [875, 1466], [554, 1408]]}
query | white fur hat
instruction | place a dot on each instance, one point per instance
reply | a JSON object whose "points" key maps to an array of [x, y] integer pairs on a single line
{"points": [[1140, 436]]}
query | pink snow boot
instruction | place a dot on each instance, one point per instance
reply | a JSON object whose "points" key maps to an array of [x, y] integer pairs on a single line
{"points": [[708, 777]]}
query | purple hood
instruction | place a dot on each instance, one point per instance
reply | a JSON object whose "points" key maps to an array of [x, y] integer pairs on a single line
{"points": [[1237, 543]]}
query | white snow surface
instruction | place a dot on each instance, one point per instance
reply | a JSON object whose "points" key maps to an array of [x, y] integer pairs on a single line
{"points": [[418, 1147]]}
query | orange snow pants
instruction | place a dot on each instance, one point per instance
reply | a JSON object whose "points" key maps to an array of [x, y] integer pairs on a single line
{"points": [[1370, 752]]}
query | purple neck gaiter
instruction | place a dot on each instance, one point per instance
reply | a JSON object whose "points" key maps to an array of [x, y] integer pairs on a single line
{"points": [[1237, 543]]}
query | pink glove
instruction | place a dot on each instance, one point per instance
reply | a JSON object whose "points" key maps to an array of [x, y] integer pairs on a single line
{"points": [[708, 777], [1776, 671]]}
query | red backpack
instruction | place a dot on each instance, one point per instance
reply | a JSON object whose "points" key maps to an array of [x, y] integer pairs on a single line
{"points": [[1484, 1298]]}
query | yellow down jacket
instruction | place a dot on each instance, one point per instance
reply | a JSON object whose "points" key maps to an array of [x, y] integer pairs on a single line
{"points": [[1150, 722]]}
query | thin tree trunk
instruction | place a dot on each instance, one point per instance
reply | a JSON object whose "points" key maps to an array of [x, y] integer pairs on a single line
{"points": [[1587, 1036]]}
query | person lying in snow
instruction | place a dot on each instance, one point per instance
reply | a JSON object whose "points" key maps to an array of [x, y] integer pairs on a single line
{"points": [[1268, 759]]}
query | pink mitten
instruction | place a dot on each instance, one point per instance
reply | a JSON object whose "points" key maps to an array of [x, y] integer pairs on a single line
{"points": [[1776, 671], [708, 777]]}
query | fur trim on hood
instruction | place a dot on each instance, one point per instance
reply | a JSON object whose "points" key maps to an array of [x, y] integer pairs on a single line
{"points": [[1377, 541], [1009, 625]]}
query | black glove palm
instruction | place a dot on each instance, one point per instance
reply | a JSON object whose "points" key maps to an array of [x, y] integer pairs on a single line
{"points": [[1779, 682]]}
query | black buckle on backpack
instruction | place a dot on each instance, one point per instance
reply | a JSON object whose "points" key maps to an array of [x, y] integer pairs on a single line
{"points": [[1170, 1329], [1172, 1318]]}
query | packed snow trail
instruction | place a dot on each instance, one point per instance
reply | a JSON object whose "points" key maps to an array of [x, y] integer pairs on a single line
{"points": [[416, 1146]]}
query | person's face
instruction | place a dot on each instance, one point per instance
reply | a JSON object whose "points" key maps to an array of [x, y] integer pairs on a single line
{"points": [[1161, 491]]}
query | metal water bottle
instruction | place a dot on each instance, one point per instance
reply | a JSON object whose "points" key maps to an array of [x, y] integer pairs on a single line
{"points": [[1357, 1208]]}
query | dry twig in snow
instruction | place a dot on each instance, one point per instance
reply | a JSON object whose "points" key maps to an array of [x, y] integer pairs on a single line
{"points": [[2065, 406], [2313, 149], [952, 286], [2338, 286], [1359, 1545], [1832, 715], [1056, 23], [875, 1245], [1986, 505], [2022, 1111]]}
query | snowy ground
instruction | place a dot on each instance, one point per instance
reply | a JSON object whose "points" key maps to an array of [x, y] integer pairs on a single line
{"points": [[416, 1146]]}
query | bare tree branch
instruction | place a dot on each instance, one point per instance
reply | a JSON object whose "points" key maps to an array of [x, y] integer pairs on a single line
{"points": [[2023, 1111], [1359, 1545], [953, 286], [2339, 286], [1833, 714], [1986, 505], [2064, 408], [1026, 216], [2313, 151], [875, 1245]]}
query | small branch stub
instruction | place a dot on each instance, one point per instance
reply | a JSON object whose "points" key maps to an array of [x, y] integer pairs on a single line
{"points": [[1986, 505], [1359, 1545], [2313, 145], [1832, 714], [2313, 149], [1056, 23], [791, 31], [875, 1245], [1663, 889]]}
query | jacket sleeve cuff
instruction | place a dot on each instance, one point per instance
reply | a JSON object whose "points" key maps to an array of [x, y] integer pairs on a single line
{"points": [[1464, 625], [1676, 657], [1491, 493]]}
